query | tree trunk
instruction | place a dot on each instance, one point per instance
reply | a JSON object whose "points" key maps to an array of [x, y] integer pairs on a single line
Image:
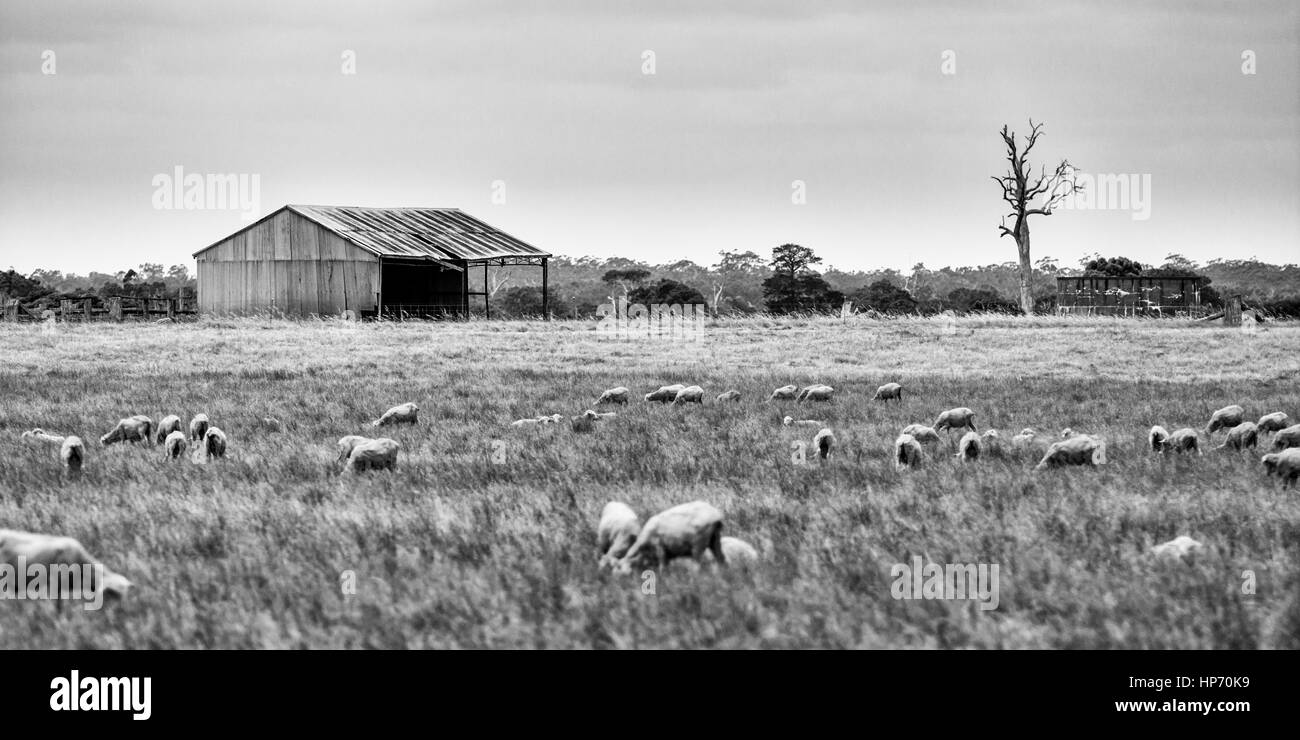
{"points": [[1026, 270]]}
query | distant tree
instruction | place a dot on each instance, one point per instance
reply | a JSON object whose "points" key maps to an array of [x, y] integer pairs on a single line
{"points": [[731, 269], [808, 292], [178, 273], [792, 259], [526, 300], [626, 279], [885, 297], [666, 291], [977, 299], [1113, 267]]}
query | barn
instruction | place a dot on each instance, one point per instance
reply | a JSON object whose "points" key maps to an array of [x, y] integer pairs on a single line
{"points": [[391, 262], [1167, 295]]}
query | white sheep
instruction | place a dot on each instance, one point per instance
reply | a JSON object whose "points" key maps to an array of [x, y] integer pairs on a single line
{"points": [[1179, 547], [1225, 418], [1284, 464], [614, 395], [685, 530], [407, 413], [1245, 434], [957, 418], [889, 392], [815, 392], [907, 452], [599, 416], [375, 454], [823, 442], [968, 450], [618, 529], [170, 423], [728, 396], [1182, 440], [1286, 438], [552, 419], [1082, 449], [738, 551], [791, 421], [175, 443], [665, 394], [199, 427], [1157, 437], [922, 433], [1272, 422], [50, 551], [73, 454], [1026, 437], [137, 428], [582, 424], [347, 444], [214, 443], [784, 393], [689, 394]]}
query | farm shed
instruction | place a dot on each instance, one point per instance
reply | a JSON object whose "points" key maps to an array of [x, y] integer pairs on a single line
{"points": [[324, 260], [1179, 295]]}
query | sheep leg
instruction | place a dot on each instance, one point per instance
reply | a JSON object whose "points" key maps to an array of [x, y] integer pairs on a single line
{"points": [[715, 545]]}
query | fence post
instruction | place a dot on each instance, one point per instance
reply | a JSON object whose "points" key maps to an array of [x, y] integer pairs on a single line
{"points": [[65, 309], [88, 307], [171, 308], [114, 308], [11, 310], [1232, 311]]}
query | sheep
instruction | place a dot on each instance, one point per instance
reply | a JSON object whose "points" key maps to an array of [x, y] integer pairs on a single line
{"points": [[55, 554], [599, 416], [406, 413], [552, 419], [272, 424], [1225, 418], [73, 454], [888, 392], [823, 442], [1245, 434], [791, 421], [134, 429], [1179, 547], [815, 392], [665, 394], [175, 444], [690, 394], [1182, 440], [618, 529], [1157, 437], [685, 530], [375, 454], [1026, 437], [922, 433], [784, 393], [728, 396], [1289, 437], [582, 424], [1272, 422], [907, 452], [1082, 449], [1067, 432], [347, 444], [214, 443], [955, 419], [968, 450], [1284, 464], [614, 395], [198, 427], [169, 424], [738, 551]]}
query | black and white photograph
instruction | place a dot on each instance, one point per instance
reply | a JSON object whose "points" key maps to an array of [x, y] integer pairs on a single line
{"points": [[370, 329]]}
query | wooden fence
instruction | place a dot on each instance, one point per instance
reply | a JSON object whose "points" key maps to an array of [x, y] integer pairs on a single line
{"points": [[103, 309]]}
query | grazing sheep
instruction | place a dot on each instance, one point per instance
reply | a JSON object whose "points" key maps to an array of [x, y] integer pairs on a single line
{"points": [[175, 444], [784, 393], [738, 551], [135, 429], [1157, 437], [1026, 437], [614, 395], [1067, 432], [374, 454], [888, 392], [617, 530], [1284, 464], [582, 424], [815, 392], [968, 450], [791, 421], [598, 416], [1082, 449], [40, 435], [552, 419], [406, 413], [823, 442], [214, 443], [1179, 547], [922, 433], [347, 444], [728, 396], [1245, 434], [1289, 437], [50, 551], [690, 394], [73, 454], [169, 424], [1182, 440], [198, 427], [1225, 418], [907, 452], [955, 419], [1272, 422], [685, 530], [665, 394], [272, 423]]}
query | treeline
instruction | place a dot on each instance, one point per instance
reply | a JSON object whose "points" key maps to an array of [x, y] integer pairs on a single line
{"points": [[45, 288]]}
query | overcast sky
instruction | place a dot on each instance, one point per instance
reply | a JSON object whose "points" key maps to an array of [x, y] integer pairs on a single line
{"points": [[599, 158]]}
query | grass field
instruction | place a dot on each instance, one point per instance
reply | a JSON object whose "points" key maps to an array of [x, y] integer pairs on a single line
{"points": [[485, 535]]}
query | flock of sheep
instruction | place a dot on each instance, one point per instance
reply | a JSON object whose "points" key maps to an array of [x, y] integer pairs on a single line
{"points": [[691, 529]]}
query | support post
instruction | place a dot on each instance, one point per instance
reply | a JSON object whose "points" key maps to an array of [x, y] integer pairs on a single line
{"points": [[86, 308], [487, 312], [464, 291], [546, 301], [114, 308]]}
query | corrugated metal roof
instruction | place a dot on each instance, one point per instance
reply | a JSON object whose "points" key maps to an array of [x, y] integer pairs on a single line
{"points": [[438, 233]]}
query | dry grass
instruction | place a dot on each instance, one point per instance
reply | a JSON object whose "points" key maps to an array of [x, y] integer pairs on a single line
{"points": [[458, 549]]}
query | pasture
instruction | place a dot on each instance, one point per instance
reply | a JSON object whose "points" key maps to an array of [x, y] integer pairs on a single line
{"points": [[484, 536]]}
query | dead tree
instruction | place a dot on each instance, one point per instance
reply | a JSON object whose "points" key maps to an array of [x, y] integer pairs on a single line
{"points": [[1020, 194]]}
